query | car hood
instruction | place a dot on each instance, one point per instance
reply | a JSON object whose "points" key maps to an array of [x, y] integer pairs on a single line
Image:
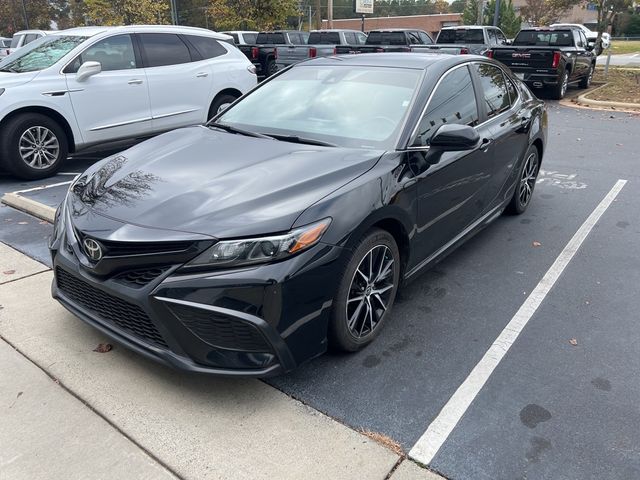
{"points": [[10, 79], [214, 183]]}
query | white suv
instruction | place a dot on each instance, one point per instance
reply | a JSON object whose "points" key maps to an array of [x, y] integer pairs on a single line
{"points": [[82, 87]]}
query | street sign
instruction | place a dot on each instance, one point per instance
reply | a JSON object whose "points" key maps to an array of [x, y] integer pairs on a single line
{"points": [[363, 6]]}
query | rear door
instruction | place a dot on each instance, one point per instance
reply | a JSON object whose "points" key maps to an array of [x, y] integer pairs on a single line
{"points": [[451, 192], [508, 122], [179, 80], [114, 103]]}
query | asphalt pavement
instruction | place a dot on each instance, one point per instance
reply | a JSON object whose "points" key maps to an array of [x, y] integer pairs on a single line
{"points": [[562, 403]]}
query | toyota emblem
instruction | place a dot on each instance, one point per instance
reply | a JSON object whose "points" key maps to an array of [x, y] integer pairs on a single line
{"points": [[92, 249]]}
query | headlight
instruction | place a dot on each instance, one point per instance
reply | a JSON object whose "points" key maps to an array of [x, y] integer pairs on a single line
{"points": [[248, 251]]}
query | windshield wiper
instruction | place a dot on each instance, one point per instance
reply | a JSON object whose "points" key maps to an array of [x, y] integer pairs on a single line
{"points": [[230, 129], [296, 139], [8, 69]]}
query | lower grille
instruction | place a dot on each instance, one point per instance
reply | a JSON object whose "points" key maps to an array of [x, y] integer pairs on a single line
{"points": [[140, 278], [221, 331], [110, 309]]}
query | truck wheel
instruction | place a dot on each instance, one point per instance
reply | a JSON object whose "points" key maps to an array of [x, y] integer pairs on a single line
{"points": [[558, 92], [271, 67], [586, 81], [32, 146]]}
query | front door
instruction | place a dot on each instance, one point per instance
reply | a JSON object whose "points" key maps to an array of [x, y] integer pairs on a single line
{"points": [[452, 193], [113, 104]]}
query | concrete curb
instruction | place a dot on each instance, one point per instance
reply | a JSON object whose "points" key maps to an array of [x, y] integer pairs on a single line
{"points": [[37, 209], [602, 103]]}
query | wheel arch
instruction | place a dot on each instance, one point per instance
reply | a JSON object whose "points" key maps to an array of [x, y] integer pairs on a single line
{"points": [[49, 112]]}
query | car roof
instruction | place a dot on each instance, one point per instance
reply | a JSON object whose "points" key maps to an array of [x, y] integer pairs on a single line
{"points": [[396, 30], [329, 30], [27, 32], [91, 31], [412, 60], [468, 27]]}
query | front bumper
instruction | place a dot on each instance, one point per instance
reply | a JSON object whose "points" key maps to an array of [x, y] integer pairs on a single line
{"points": [[256, 321]]}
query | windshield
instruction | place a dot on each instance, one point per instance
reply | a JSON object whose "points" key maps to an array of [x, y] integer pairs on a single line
{"points": [[548, 38], [324, 38], [386, 38], [40, 54], [358, 107], [465, 36]]}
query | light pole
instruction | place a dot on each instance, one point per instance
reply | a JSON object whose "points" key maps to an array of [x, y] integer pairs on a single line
{"points": [[496, 14], [26, 18]]}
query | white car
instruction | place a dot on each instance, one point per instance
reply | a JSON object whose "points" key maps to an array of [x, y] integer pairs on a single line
{"points": [[92, 85], [5, 43], [243, 37], [590, 34], [25, 37]]}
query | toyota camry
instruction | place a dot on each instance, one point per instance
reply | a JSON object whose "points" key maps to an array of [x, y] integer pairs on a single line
{"points": [[286, 225]]}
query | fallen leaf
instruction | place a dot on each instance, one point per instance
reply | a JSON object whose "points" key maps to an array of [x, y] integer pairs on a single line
{"points": [[103, 348], [43, 222], [9, 272], [23, 223], [573, 342], [537, 244]]}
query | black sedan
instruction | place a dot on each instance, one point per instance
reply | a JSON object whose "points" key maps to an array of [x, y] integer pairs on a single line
{"points": [[287, 224]]}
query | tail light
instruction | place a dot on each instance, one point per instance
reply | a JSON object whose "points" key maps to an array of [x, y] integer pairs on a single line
{"points": [[335, 50], [313, 52], [556, 60], [379, 50], [405, 49], [489, 53], [254, 52], [464, 51], [275, 53]]}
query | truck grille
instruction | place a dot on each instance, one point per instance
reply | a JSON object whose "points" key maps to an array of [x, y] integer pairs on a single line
{"points": [[109, 309]]}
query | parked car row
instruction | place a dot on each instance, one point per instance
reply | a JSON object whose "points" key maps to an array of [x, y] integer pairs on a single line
{"points": [[74, 89]]}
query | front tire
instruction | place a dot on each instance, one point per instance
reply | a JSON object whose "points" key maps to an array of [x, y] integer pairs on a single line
{"points": [[33, 146], [366, 292], [526, 182]]}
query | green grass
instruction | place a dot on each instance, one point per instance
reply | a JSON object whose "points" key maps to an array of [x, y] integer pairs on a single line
{"points": [[620, 46]]}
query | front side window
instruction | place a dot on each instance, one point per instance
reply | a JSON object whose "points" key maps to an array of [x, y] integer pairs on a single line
{"points": [[41, 54], [113, 53], [359, 107], [500, 36], [491, 33], [164, 49], [426, 39], [494, 88], [362, 38], [453, 101]]}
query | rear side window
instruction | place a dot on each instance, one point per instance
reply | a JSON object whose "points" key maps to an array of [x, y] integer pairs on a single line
{"points": [[31, 37], [387, 38], [113, 53], [234, 36], [206, 46], [494, 89], [328, 38], [426, 39], [164, 49], [271, 38], [15, 41], [453, 101], [349, 37]]}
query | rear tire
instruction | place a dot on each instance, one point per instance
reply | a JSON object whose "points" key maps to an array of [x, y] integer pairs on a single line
{"points": [[586, 81], [559, 91], [526, 182], [366, 292], [32, 146], [219, 102], [271, 68]]}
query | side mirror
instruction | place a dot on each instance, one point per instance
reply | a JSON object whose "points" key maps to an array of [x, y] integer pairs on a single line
{"points": [[88, 69], [590, 45], [455, 138], [508, 42]]}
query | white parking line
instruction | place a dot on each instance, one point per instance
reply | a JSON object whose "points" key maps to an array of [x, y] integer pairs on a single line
{"points": [[43, 187], [442, 426]]}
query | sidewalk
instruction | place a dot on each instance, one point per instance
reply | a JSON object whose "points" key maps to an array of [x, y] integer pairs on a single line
{"points": [[126, 417]]}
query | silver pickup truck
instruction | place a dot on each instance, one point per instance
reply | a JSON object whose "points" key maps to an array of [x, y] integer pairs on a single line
{"points": [[321, 43], [466, 39]]}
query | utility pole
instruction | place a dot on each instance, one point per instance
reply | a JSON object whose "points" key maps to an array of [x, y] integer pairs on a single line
{"points": [[480, 10], [174, 12], [26, 17], [318, 14], [496, 14], [330, 13]]}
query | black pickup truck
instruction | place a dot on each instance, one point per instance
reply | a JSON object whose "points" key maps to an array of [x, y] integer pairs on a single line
{"points": [[264, 53], [390, 40], [550, 58]]}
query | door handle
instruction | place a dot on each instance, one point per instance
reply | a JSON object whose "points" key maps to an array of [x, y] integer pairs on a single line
{"points": [[202, 74], [135, 81]]}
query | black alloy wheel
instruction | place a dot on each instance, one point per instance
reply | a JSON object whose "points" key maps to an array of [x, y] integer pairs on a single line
{"points": [[366, 292], [526, 182]]}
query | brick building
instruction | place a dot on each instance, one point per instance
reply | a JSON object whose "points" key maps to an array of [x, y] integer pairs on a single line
{"points": [[429, 23]]}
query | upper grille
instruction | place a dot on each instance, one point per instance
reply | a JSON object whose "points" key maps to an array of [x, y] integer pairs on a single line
{"points": [[121, 249], [221, 331], [110, 309], [140, 278]]}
